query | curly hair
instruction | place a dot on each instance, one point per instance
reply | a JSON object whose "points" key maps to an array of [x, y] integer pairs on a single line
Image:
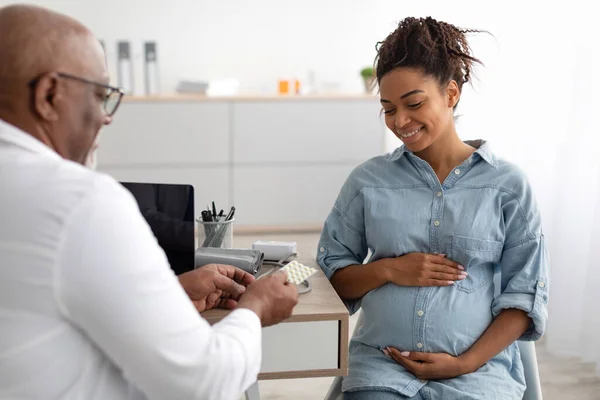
{"points": [[436, 48]]}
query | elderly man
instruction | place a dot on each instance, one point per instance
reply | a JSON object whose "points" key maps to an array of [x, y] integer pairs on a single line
{"points": [[89, 308]]}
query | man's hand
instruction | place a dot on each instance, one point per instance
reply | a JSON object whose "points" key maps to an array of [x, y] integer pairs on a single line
{"points": [[429, 366], [215, 285], [272, 298]]}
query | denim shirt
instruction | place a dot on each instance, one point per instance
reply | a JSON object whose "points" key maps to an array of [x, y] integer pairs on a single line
{"points": [[484, 216]]}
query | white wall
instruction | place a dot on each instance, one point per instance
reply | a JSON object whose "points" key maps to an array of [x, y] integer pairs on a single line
{"points": [[520, 97], [258, 41]]}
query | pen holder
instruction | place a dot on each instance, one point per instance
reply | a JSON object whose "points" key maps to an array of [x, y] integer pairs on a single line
{"points": [[215, 234]]}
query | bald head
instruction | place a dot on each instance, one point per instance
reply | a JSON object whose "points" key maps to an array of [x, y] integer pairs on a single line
{"points": [[47, 58], [34, 40]]}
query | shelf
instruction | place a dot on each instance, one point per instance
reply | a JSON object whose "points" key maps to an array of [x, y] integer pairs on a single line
{"points": [[248, 98]]}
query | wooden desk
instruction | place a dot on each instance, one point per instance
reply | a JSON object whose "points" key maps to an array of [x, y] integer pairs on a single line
{"points": [[313, 342]]}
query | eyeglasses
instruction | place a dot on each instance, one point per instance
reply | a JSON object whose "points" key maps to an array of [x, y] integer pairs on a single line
{"points": [[112, 97]]}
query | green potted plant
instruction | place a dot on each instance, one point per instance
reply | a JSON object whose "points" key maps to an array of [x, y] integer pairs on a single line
{"points": [[368, 75]]}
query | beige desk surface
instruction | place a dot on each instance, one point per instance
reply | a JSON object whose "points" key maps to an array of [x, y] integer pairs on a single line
{"points": [[320, 304]]}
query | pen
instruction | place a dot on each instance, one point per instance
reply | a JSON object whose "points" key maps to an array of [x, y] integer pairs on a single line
{"points": [[214, 211], [230, 215], [220, 215]]}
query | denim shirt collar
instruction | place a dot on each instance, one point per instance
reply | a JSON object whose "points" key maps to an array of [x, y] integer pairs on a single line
{"points": [[482, 146]]}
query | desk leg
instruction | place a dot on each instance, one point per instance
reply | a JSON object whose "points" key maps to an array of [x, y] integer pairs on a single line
{"points": [[253, 393]]}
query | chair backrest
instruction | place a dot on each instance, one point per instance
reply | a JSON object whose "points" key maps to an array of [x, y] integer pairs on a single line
{"points": [[532, 374]]}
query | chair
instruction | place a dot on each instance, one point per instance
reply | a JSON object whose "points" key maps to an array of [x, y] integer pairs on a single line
{"points": [[528, 355]]}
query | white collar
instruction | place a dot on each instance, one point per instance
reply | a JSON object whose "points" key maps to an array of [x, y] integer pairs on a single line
{"points": [[15, 136]]}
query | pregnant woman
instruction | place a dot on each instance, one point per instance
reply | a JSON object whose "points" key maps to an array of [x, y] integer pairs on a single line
{"points": [[438, 217]]}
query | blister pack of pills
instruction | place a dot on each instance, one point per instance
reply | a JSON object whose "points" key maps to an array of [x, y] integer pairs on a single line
{"points": [[298, 272]]}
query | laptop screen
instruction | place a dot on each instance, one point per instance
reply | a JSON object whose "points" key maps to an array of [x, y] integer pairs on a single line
{"points": [[169, 210]]}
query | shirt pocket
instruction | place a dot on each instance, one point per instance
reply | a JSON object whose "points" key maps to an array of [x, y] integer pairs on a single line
{"points": [[478, 257]]}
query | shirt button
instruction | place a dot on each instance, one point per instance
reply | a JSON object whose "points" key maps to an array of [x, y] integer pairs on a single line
{"points": [[457, 171], [420, 345], [436, 222], [541, 284], [470, 160], [322, 249], [420, 313], [439, 194]]}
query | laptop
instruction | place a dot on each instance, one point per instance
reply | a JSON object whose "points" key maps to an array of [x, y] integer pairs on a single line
{"points": [[169, 210]]}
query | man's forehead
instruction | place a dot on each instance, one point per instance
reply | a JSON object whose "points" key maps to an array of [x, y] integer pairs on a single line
{"points": [[86, 59], [98, 59]]}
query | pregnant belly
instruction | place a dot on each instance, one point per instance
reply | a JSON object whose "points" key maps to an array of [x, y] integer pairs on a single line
{"points": [[441, 319]]}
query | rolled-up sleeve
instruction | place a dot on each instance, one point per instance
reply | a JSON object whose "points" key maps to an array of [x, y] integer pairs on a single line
{"points": [[525, 284], [524, 266], [342, 241]]}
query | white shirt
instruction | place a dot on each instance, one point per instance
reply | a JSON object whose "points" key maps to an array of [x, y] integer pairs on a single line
{"points": [[88, 303]]}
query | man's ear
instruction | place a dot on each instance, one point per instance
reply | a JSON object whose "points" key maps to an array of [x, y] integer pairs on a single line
{"points": [[45, 97], [453, 93]]}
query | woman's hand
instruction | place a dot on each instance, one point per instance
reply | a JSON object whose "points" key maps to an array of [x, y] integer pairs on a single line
{"points": [[420, 269], [429, 366]]}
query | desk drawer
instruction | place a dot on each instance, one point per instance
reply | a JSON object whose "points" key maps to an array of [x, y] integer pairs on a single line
{"points": [[301, 346]]}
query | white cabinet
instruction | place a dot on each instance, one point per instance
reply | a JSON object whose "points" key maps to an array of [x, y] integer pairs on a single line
{"points": [[289, 196], [304, 132], [280, 162], [167, 133]]}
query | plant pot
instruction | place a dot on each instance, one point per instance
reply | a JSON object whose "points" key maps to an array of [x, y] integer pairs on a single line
{"points": [[369, 84]]}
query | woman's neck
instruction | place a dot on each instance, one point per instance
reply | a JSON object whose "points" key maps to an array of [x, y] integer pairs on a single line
{"points": [[446, 153]]}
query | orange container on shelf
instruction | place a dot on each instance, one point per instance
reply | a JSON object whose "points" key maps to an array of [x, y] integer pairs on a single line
{"points": [[284, 86]]}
